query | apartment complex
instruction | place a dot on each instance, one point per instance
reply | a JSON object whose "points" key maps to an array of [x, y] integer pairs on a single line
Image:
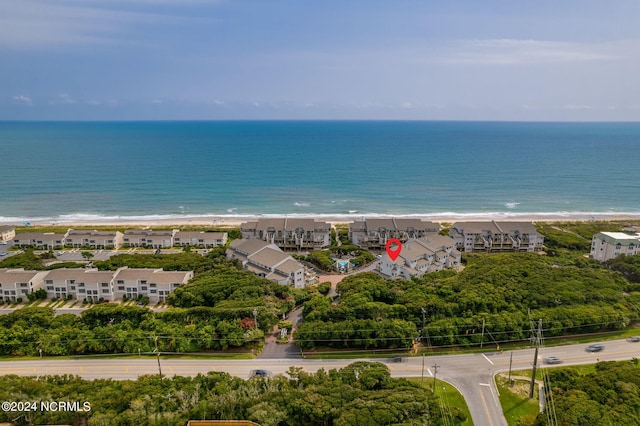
{"points": [[92, 284], [114, 239], [268, 261], [289, 234], [7, 233], [496, 237], [608, 245], [374, 233], [421, 256]]}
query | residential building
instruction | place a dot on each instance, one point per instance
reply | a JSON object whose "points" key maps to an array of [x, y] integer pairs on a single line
{"points": [[7, 233], [199, 239], [268, 261], [17, 283], [93, 239], [90, 284], [496, 237], [374, 233], [156, 284], [607, 245], [289, 233], [421, 256], [147, 238], [39, 240]]}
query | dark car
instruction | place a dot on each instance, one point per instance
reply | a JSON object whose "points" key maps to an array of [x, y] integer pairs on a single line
{"points": [[596, 347], [552, 360], [398, 359], [259, 373]]}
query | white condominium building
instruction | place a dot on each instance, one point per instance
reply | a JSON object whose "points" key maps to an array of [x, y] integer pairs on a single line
{"points": [[607, 245], [496, 237], [421, 256]]}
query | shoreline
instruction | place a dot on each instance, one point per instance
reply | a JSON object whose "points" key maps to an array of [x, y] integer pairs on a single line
{"points": [[234, 221]]}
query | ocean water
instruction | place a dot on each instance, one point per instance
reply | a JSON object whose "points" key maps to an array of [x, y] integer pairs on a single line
{"points": [[64, 171]]}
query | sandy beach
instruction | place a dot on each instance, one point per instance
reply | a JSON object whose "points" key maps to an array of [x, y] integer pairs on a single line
{"points": [[235, 221]]}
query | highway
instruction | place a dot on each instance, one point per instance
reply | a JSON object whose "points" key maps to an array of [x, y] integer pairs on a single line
{"points": [[472, 374]]}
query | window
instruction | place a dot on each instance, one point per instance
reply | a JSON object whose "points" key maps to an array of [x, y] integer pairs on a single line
{"points": [[73, 287], [153, 285], [50, 287], [143, 288], [120, 288], [104, 284], [81, 285], [153, 291], [105, 291]]}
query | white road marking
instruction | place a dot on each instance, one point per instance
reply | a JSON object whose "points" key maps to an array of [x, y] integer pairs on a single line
{"points": [[485, 357]]}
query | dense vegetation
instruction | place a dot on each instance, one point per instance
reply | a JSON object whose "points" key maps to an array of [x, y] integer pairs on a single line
{"points": [[359, 394], [608, 396], [629, 266], [324, 259], [450, 307]]}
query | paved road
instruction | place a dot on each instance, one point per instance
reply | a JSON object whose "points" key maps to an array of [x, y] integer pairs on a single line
{"points": [[472, 374]]}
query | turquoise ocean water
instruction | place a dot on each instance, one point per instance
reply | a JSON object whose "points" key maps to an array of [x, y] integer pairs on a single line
{"points": [[64, 171]]}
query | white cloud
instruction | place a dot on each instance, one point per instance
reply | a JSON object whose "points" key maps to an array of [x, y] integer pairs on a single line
{"points": [[516, 51], [576, 107], [22, 99], [62, 99]]}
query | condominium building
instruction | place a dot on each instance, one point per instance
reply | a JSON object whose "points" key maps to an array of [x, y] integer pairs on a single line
{"points": [[199, 239], [421, 256], [156, 284], [374, 233], [94, 239], [81, 284], [496, 237], [147, 238], [608, 245], [39, 240], [289, 233], [268, 261], [17, 283], [7, 233]]}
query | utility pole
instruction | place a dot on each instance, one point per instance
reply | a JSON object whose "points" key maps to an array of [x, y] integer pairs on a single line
{"points": [[482, 335], [255, 317], [510, 364], [535, 359], [158, 353], [435, 373]]}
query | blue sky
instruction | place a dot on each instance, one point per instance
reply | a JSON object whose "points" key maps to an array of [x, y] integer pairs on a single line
{"points": [[297, 59]]}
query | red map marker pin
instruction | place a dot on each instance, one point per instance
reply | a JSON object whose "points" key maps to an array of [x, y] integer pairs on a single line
{"points": [[394, 253]]}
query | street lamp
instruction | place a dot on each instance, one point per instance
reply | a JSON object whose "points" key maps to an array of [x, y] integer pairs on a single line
{"points": [[255, 317]]}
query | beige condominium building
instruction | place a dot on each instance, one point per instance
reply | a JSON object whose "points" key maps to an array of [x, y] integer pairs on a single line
{"points": [[7, 233], [147, 238], [199, 239], [374, 233], [421, 256], [90, 284], [94, 239], [268, 261], [289, 233], [153, 283], [17, 283], [608, 245], [496, 237], [40, 240]]}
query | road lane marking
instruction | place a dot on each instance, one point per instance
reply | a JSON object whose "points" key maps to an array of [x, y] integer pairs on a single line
{"points": [[485, 357], [484, 402]]}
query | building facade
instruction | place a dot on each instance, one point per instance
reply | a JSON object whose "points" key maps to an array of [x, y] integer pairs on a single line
{"points": [[93, 239], [496, 237], [147, 238], [608, 245], [421, 256], [7, 233], [199, 239], [374, 233], [17, 283], [289, 233], [40, 240]]}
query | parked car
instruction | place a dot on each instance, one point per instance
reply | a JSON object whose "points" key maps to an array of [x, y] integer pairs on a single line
{"points": [[552, 360], [634, 339], [398, 359], [596, 347]]}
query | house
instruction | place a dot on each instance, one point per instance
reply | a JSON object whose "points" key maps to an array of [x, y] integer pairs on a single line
{"points": [[93, 239], [421, 256], [374, 233], [147, 238], [608, 245], [7, 233], [289, 233], [90, 284], [17, 283], [268, 261], [156, 284], [199, 239], [496, 237], [39, 240]]}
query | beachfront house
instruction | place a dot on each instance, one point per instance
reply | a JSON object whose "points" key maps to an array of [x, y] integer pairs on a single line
{"points": [[90, 284], [156, 284], [421, 256], [39, 240], [268, 261], [147, 238], [608, 245], [289, 233], [199, 239], [496, 237], [374, 233], [7, 233], [93, 239], [17, 283]]}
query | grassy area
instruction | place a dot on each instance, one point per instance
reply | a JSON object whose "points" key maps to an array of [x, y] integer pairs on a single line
{"points": [[449, 397], [518, 409]]}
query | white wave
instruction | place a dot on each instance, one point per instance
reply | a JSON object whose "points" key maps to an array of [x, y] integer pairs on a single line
{"points": [[232, 210], [301, 204], [511, 205]]}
